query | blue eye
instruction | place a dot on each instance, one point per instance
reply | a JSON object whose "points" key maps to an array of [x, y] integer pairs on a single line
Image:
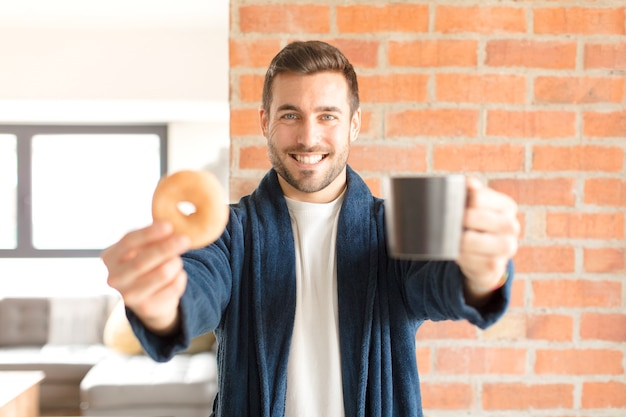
{"points": [[289, 116]]}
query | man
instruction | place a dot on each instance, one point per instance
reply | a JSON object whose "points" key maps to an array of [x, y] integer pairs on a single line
{"points": [[311, 315]]}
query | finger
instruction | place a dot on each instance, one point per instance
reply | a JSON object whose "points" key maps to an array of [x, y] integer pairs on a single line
{"points": [[488, 244], [149, 258], [474, 184], [172, 291], [483, 271], [126, 247], [490, 199], [491, 222], [140, 290], [151, 303]]}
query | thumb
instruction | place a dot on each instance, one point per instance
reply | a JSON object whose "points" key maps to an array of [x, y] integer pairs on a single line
{"points": [[474, 184]]}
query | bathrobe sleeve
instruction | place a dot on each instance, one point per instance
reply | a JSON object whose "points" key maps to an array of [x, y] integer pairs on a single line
{"points": [[434, 291], [205, 298]]}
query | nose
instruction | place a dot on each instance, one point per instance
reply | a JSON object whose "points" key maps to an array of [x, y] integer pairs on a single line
{"points": [[309, 133]]}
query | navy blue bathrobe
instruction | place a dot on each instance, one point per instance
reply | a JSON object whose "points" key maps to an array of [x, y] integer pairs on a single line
{"points": [[244, 288]]}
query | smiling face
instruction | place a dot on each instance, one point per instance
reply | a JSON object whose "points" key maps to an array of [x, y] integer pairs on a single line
{"points": [[309, 128]]}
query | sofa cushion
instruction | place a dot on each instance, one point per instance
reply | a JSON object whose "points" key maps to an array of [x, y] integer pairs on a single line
{"points": [[78, 320], [184, 380], [57, 321], [24, 321]]}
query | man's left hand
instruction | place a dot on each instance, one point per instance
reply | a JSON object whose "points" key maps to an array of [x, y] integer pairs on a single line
{"points": [[489, 240]]}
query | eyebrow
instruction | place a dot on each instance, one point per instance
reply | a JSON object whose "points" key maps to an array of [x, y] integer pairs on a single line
{"points": [[321, 109]]}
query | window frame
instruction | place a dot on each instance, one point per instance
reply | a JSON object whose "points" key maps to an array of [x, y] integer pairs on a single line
{"points": [[24, 135]]}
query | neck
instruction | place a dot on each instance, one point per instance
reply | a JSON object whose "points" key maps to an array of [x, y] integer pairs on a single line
{"points": [[326, 195]]}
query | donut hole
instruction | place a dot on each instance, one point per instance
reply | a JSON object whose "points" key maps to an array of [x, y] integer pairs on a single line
{"points": [[186, 207]]}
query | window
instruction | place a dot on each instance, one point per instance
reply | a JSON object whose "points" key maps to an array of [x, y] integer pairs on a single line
{"points": [[70, 191]]}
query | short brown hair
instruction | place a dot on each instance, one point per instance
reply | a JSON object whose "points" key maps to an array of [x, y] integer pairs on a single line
{"points": [[311, 57]]}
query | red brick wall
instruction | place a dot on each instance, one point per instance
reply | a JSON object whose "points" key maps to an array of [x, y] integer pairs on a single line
{"points": [[531, 97]]}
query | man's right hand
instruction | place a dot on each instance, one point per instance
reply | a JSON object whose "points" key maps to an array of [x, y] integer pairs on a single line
{"points": [[146, 268]]}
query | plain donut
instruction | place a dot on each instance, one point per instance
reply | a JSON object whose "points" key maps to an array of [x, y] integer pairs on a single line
{"points": [[203, 190]]}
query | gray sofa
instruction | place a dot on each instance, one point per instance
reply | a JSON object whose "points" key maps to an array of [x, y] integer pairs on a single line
{"points": [[63, 337]]}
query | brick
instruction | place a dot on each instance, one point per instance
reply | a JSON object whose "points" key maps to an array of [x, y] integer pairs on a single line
{"points": [[578, 362], [478, 19], [604, 226], [483, 88], [607, 124], [423, 357], [367, 124], [604, 260], [254, 157], [433, 53], [239, 187], [446, 395], [382, 18], [478, 157], [510, 327], [361, 53], [521, 218], [599, 326], [550, 327], [576, 293], [446, 330], [480, 360], [518, 291], [432, 122], [578, 158], [610, 56], [610, 394], [284, 18], [373, 183], [536, 227], [538, 191], [244, 122], [541, 124], [518, 396], [393, 88], [579, 20], [605, 192], [376, 158], [255, 53], [531, 54], [544, 259], [251, 88], [578, 90]]}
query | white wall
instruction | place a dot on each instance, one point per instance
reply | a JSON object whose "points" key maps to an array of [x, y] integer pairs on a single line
{"points": [[77, 73], [112, 64]]}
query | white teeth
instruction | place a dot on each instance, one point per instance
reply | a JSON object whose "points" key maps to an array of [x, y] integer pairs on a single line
{"points": [[308, 159]]}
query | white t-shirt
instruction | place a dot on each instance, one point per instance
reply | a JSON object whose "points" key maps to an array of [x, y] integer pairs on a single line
{"points": [[314, 385]]}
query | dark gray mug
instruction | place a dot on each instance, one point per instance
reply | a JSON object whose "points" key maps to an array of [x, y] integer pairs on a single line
{"points": [[424, 216]]}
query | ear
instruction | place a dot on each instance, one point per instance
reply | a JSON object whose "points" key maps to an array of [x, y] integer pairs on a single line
{"points": [[263, 121], [355, 125]]}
